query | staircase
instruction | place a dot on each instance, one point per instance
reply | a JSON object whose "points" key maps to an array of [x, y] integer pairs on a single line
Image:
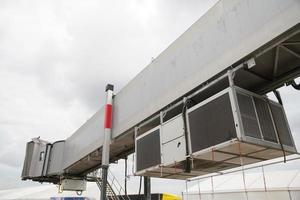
{"points": [[114, 190], [111, 195]]}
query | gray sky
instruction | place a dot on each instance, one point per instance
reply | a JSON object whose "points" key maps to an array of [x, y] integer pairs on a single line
{"points": [[56, 57]]}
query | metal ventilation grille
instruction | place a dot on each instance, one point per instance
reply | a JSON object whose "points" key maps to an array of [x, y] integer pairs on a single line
{"points": [[248, 115], [211, 123], [265, 120], [148, 150], [281, 125]]}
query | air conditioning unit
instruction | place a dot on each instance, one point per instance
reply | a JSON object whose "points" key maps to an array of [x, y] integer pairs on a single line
{"points": [[232, 128]]}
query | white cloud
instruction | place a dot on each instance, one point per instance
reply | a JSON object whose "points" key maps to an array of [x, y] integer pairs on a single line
{"points": [[27, 112]]}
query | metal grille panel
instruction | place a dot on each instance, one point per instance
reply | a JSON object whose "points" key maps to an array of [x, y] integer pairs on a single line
{"points": [[248, 115], [211, 124], [148, 150], [265, 120], [281, 125]]}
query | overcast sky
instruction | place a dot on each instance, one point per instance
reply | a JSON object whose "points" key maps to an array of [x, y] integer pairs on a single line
{"points": [[56, 57]]}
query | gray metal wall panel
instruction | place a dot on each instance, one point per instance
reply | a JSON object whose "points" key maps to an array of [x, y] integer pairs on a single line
{"points": [[56, 158], [28, 159], [225, 34], [85, 140], [46, 160], [37, 161]]}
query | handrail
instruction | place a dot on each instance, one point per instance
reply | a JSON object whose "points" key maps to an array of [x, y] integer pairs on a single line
{"points": [[114, 188], [117, 186]]}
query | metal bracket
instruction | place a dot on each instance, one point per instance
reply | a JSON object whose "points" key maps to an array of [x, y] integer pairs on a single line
{"points": [[294, 84]]}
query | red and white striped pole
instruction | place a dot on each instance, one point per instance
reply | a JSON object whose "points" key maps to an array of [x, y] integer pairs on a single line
{"points": [[107, 124], [107, 137]]}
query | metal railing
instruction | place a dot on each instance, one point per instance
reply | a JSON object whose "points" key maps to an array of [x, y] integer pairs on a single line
{"points": [[114, 189]]}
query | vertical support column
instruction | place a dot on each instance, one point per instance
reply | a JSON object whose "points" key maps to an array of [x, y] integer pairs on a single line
{"points": [[107, 137], [104, 183], [186, 190], [161, 117], [187, 164], [147, 188], [125, 181], [230, 74]]}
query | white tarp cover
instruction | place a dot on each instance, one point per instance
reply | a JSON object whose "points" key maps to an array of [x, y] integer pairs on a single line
{"points": [[277, 185], [280, 185], [48, 192]]}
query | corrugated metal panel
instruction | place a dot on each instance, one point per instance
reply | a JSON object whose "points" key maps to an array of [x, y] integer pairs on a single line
{"points": [[265, 120], [148, 150], [281, 125], [248, 115], [211, 124]]}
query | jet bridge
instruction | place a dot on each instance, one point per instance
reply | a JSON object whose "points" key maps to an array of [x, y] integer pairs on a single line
{"points": [[240, 46]]}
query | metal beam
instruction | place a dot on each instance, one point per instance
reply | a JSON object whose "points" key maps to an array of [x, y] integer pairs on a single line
{"points": [[191, 95], [278, 42], [259, 76], [290, 51], [177, 103], [291, 43], [284, 78], [242, 168], [276, 62]]}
